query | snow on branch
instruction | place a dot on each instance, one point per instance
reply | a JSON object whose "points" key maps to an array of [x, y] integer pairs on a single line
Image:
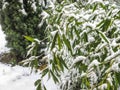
{"points": [[116, 54]]}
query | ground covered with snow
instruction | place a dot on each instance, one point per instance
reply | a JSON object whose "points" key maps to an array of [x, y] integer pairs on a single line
{"points": [[18, 77]]}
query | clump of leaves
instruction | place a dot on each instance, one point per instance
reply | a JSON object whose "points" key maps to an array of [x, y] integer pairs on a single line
{"points": [[84, 45]]}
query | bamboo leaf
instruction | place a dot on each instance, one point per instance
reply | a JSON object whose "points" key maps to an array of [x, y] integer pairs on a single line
{"points": [[54, 77], [106, 24], [37, 82], [45, 72], [54, 40], [67, 43], [39, 87], [102, 35], [94, 8], [29, 38], [85, 37], [63, 62], [59, 42]]}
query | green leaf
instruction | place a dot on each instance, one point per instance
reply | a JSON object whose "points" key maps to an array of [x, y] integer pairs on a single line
{"points": [[67, 43], [56, 64], [77, 33], [117, 77], [44, 87], [54, 77], [45, 72], [85, 37], [45, 2], [37, 82], [94, 8], [63, 62], [29, 38], [59, 17], [54, 40], [71, 19], [59, 42], [106, 24], [60, 64], [102, 35], [103, 6], [100, 24], [39, 87]]}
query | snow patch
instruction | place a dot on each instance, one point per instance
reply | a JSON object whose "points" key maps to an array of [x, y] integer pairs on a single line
{"points": [[21, 78], [2, 41]]}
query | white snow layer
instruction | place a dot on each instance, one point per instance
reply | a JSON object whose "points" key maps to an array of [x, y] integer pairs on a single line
{"points": [[19, 78], [2, 42]]}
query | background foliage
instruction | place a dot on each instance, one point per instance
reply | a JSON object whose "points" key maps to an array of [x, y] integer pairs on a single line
{"points": [[22, 18]]}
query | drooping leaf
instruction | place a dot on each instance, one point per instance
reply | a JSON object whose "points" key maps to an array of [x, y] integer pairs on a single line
{"points": [[85, 37], [106, 24], [29, 38], [103, 36], [67, 43], [59, 42], [117, 75], [54, 40], [37, 82], [39, 87], [63, 62], [45, 72], [95, 6], [54, 77]]}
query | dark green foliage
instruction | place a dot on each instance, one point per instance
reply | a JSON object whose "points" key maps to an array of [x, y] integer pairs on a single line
{"points": [[19, 20]]}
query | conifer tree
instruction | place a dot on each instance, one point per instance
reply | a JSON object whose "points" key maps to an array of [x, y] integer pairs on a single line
{"points": [[21, 18]]}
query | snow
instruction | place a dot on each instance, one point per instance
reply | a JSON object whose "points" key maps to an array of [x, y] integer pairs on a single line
{"points": [[18, 77], [78, 59], [2, 42], [113, 56], [115, 67], [93, 63], [93, 77], [12, 78], [44, 15], [23, 11], [4, 6], [103, 86], [93, 1], [34, 6]]}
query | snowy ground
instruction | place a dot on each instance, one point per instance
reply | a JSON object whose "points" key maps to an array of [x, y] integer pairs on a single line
{"points": [[18, 78]]}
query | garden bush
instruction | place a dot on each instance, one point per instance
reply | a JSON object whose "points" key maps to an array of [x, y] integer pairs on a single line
{"points": [[22, 18]]}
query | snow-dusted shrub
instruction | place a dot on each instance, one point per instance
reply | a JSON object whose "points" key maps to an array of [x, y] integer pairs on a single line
{"points": [[84, 48], [83, 51]]}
